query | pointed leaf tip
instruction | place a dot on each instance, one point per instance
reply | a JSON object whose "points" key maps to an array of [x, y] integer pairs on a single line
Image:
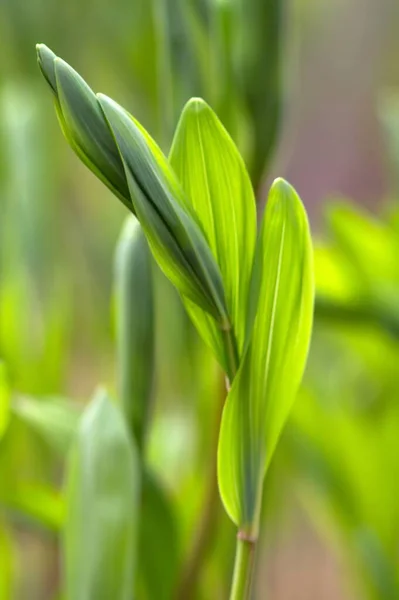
{"points": [[45, 59]]}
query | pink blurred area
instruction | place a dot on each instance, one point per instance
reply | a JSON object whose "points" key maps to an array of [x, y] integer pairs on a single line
{"points": [[340, 60]]}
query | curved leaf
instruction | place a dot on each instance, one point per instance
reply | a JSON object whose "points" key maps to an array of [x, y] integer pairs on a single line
{"points": [[218, 187], [264, 389], [176, 240]]}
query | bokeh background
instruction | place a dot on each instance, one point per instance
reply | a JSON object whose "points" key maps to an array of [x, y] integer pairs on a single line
{"points": [[310, 91]]}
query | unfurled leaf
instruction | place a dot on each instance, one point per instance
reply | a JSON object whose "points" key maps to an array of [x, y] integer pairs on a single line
{"points": [[263, 392], [102, 502], [217, 186], [135, 327], [83, 123], [54, 419], [4, 400], [176, 240]]}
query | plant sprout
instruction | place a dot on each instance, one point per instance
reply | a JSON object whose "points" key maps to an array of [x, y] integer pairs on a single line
{"points": [[249, 292]]}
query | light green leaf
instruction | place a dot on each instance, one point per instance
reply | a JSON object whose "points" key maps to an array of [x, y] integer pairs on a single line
{"points": [[264, 389], [176, 240], [102, 501], [134, 298], [217, 185], [4, 400], [370, 245], [38, 503], [54, 419]]}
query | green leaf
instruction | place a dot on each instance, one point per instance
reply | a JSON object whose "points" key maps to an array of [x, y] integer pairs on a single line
{"points": [[83, 123], [370, 245], [54, 419], [135, 327], [102, 501], [158, 552], [38, 503], [7, 558], [176, 240], [4, 400], [263, 392], [217, 185]]}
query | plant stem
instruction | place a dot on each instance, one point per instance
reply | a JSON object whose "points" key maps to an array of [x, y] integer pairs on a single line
{"points": [[243, 569], [207, 527], [206, 531]]}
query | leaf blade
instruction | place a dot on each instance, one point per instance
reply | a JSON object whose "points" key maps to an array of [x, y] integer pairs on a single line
{"points": [[218, 187], [263, 392], [102, 503]]}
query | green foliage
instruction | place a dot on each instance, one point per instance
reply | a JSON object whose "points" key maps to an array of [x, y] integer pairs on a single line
{"points": [[134, 303], [6, 562], [103, 481], [255, 311], [158, 551], [4, 400], [263, 391], [54, 419], [217, 185]]}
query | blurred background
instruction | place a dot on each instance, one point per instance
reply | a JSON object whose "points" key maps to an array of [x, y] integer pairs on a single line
{"points": [[309, 90]]}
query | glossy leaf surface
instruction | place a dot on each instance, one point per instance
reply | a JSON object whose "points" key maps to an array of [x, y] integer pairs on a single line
{"points": [[264, 389], [218, 187]]}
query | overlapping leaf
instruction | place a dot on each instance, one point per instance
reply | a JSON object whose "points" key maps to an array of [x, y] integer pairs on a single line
{"points": [[176, 240], [124, 156], [218, 188], [83, 123], [263, 391]]}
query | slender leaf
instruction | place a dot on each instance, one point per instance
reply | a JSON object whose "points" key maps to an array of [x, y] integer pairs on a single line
{"points": [[217, 185], [82, 122], [176, 240], [54, 419], [264, 389], [102, 502], [135, 327], [39, 504]]}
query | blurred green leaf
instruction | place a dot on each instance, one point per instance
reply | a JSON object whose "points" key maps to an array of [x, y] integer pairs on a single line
{"points": [[217, 186], [6, 563], [371, 247], [38, 503], [158, 551], [102, 498], [4, 399], [263, 392], [54, 419], [260, 42], [348, 483], [134, 298]]}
